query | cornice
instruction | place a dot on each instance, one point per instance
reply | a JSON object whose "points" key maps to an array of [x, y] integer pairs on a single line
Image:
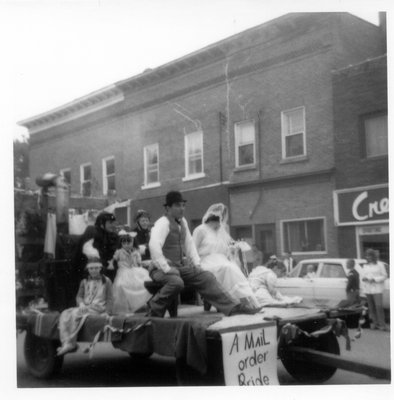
{"points": [[77, 108]]}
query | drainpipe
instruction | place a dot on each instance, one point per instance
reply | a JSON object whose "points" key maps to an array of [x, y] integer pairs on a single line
{"points": [[259, 165]]}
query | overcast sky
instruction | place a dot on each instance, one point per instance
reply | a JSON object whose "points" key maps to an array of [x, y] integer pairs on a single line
{"points": [[57, 51]]}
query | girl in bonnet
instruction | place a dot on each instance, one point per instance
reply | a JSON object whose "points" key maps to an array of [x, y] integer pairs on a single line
{"points": [[129, 291]]}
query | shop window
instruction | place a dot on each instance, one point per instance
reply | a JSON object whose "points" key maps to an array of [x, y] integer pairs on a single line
{"points": [[66, 174], [304, 236], [374, 135], [293, 133], [86, 180], [151, 165], [242, 232], [245, 143], [194, 165], [109, 185]]}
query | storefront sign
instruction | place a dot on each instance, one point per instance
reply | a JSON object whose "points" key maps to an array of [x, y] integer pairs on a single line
{"points": [[363, 205], [250, 356]]}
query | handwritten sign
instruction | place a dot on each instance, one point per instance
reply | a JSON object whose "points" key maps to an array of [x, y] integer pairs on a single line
{"points": [[250, 356]]}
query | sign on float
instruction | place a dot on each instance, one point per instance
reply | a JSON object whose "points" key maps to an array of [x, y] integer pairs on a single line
{"points": [[250, 356]]}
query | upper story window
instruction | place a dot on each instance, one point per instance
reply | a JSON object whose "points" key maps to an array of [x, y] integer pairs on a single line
{"points": [[245, 143], [375, 135], [304, 236], [109, 184], [86, 180], [293, 133], [151, 165], [194, 164], [66, 174]]}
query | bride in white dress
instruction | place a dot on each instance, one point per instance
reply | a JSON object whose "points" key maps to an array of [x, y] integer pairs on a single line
{"points": [[216, 250]]}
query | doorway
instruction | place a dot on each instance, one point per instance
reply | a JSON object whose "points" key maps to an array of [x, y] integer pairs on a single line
{"points": [[266, 240]]}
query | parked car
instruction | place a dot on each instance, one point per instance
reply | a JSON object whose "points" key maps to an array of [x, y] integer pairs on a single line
{"points": [[328, 286]]}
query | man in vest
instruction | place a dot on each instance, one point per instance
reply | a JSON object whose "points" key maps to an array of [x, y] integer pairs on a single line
{"points": [[178, 263]]}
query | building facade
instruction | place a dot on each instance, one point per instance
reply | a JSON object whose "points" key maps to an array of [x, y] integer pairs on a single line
{"points": [[247, 121], [361, 198]]}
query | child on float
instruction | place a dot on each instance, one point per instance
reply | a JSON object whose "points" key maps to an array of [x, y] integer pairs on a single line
{"points": [[94, 297], [130, 295]]}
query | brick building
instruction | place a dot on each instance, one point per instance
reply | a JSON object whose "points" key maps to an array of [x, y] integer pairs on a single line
{"points": [[247, 121], [361, 158]]}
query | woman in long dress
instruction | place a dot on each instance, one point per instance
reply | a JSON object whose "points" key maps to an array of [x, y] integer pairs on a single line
{"points": [[129, 291], [216, 250]]}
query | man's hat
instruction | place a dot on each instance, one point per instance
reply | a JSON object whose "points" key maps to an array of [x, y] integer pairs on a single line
{"points": [[173, 197]]}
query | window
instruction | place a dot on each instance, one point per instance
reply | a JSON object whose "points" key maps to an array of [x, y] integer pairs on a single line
{"points": [[332, 271], [375, 135], [194, 155], [86, 180], [245, 148], [293, 133], [66, 174], [304, 236], [151, 165], [304, 269], [109, 185], [242, 232]]}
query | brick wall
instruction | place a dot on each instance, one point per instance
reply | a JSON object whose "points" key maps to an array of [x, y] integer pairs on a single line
{"points": [[358, 90]]}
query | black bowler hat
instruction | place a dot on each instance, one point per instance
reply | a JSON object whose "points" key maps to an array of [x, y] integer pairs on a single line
{"points": [[173, 197]]}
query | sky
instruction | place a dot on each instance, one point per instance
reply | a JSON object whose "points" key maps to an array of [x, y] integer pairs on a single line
{"points": [[57, 51]]}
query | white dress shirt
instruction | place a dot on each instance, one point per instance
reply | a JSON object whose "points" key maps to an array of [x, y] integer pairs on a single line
{"points": [[158, 236]]}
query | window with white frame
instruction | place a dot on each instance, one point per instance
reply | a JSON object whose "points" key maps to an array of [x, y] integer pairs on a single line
{"points": [[66, 174], [304, 236], [194, 155], [151, 165], [86, 180], [245, 143], [293, 133], [109, 184], [375, 131]]}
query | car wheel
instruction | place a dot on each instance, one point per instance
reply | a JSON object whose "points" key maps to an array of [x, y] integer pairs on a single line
{"points": [[40, 355], [309, 372], [140, 356]]}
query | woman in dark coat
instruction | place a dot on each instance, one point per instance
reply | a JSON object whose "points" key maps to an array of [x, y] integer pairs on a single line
{"points": [[105, 240], [142, 228]]}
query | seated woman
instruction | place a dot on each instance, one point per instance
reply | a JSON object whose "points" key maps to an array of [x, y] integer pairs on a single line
{"points": [[142, 230], [213, 245], [263, 282], [129, 291]]}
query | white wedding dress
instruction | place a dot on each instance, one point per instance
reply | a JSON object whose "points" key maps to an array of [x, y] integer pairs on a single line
{"points": [[214, 250]]}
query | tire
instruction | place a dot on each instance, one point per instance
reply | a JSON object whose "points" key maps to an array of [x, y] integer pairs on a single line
{"points": [[140, 356], [307, 372], [40, 354]]}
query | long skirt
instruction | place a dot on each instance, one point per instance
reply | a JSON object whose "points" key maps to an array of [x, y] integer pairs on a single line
{"points": [[128, 289], [230, 276]]}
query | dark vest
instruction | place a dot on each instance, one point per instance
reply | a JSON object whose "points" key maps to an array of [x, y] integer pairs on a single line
{"points": [[174, 245]]}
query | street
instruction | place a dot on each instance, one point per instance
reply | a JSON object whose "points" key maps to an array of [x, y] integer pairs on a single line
{"points": [[110, 367]]}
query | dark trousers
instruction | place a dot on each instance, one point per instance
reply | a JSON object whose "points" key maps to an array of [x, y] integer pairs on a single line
{"points": [[202, 281]]}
